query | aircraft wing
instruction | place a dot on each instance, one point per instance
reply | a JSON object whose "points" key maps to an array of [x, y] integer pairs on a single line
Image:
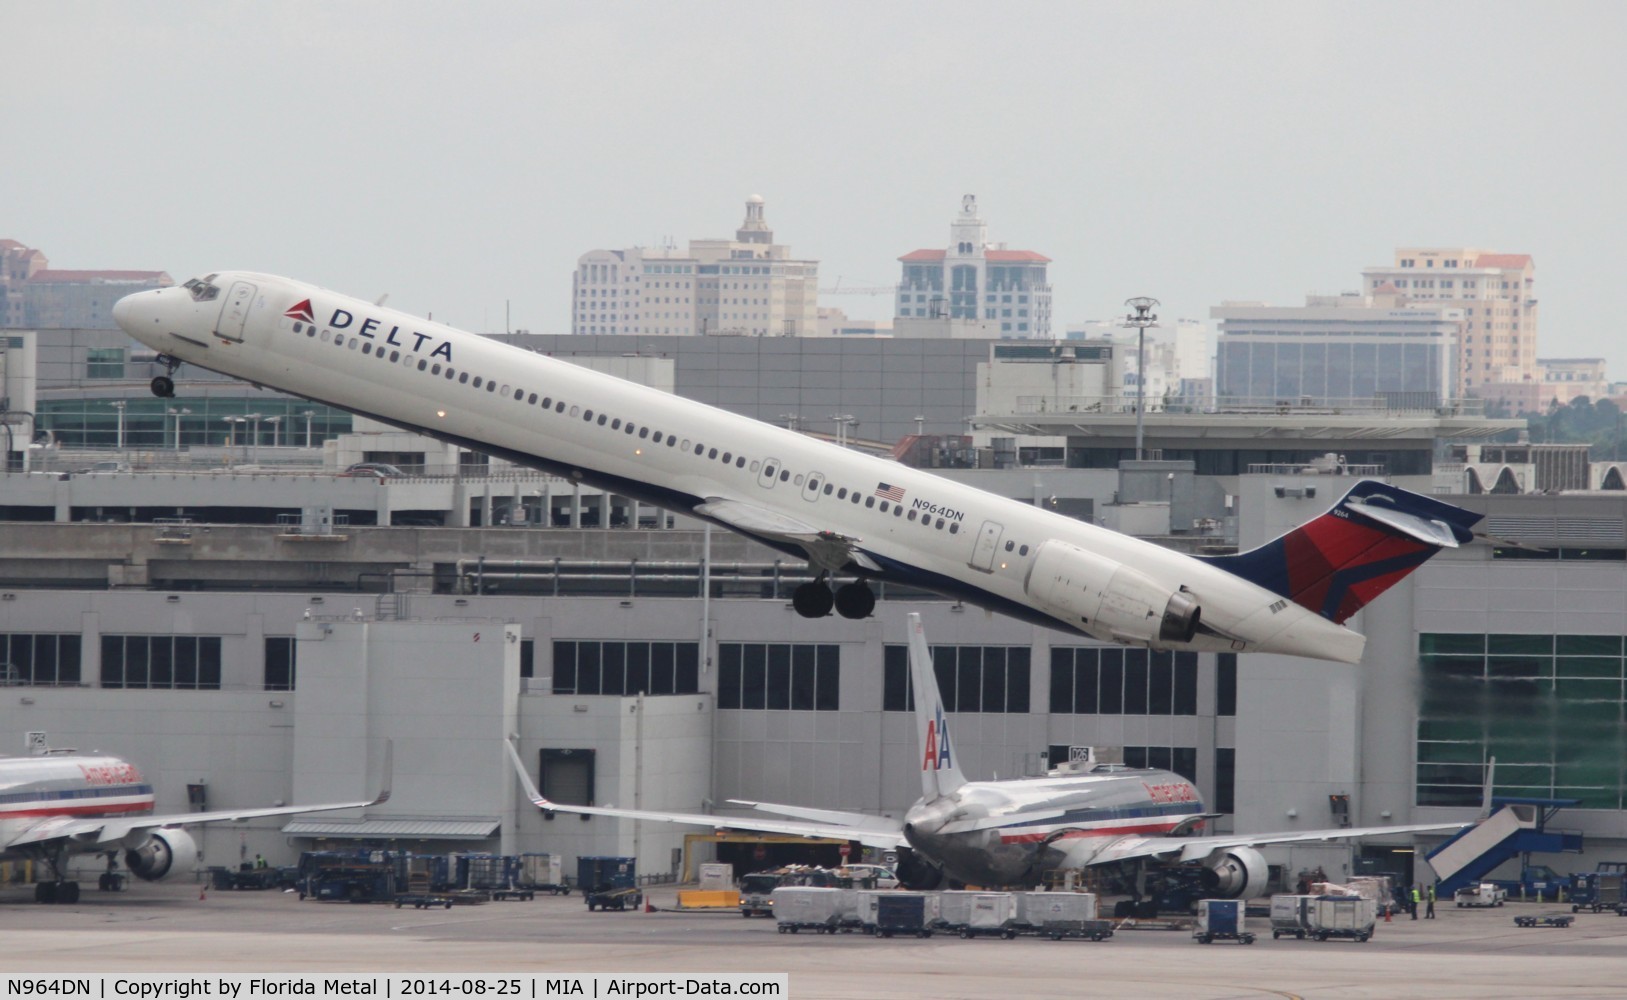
{"points": [[850, 820], [1178, 849], [109, 830], [826, 549], [874, 836]]}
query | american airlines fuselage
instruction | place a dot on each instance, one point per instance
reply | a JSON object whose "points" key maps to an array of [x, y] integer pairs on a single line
{"points": [[36, 788], [844, 511]]}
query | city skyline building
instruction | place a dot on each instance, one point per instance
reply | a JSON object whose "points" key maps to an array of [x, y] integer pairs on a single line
{"points": [[1497, 351], [972, 279], [33, 294], [746, 286]]}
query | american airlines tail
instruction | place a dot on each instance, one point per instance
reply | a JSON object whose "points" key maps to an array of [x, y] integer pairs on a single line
{"points": [[940, 774], [1364, 545]]}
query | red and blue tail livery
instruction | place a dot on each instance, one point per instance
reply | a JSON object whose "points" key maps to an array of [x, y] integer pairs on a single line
{"points": [[1364, 545]]}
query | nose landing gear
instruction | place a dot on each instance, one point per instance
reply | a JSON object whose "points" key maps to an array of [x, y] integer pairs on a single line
{"points": [[163, 386]]}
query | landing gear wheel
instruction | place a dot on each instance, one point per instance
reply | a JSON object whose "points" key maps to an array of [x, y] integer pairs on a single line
{"points": [[855, 600], [812, 600], [163, 387], [45, 892]]}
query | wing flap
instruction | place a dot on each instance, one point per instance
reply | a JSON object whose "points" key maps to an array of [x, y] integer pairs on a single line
{"points": [[1180, 849], [826, 549]]}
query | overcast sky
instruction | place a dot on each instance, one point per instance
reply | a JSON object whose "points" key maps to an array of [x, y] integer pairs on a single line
{"points": [[460, 155]]}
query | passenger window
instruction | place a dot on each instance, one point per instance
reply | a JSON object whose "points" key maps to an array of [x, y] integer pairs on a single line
{"points": [[954, 529], [395, 356], [884, 506], [727, 458], [505, 389], [324, 336], [615, 424], [491, 386], [656, 437], [422, 364], [519, 396], [829, 489], [1023, 551], [353, 343], [912, 515], [478, 381], [533, 400], [755, 465], [785, 475], [841, 494], [671, 441], [643, 432], [700, 449], [559, 407], [899, 511], [870, 501], [740, 463], [574, 410], [587, 416], [1010, 545], [603, 420]]}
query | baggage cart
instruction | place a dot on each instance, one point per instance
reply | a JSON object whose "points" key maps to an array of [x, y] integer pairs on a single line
{"points": [[1596, 891], [819, 909], [1059, 915], [1343, 916], [1221, 920], [608, 883], [498, 876], [1292, 916], [978, 913], [899, 912], [1552, 920]]}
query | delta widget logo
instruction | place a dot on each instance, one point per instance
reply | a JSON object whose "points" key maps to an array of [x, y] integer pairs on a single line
{"points": [[302, 311]]}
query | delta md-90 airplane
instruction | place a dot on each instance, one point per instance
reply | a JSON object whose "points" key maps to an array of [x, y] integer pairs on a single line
{"points": [[1010, 833], [848, 514]]}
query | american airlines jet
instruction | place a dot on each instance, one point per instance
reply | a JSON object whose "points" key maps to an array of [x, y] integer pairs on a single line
{"points": [[1012, 832], [848, 514], [61, 803]]}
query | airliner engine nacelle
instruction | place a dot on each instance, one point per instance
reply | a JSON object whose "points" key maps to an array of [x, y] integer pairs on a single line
{"points": [[1103, 594], [166, 854], [1235, 873]]}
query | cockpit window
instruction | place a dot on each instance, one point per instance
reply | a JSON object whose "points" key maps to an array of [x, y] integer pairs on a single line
{"points": [[202, 289]]}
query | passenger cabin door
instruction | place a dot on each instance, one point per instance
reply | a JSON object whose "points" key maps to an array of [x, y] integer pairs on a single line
{"points": [[235, 312], [988, 541], [770, 473]]}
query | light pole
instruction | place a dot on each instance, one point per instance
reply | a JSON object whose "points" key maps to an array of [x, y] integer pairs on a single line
{"points": [[231, 434], [1142, 318], [254, 437], [791, 420], [119, 405], [178, 414], [843, 422], [308, 414], [276, 430]]}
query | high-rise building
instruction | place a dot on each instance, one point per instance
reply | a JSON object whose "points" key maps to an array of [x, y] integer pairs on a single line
{"points": [[34, 295], [972, 279], [1497, 293], [748, 286]]}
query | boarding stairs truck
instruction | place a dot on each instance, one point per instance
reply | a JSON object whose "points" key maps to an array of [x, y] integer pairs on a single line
{"points": [[1516, 828]]}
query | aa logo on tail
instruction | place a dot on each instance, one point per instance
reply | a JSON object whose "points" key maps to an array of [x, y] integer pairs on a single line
{"points": [[937, 744]]}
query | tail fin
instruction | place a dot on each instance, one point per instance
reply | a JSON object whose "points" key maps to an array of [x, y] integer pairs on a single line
{"points": [[940, 775], [1364, 545]]}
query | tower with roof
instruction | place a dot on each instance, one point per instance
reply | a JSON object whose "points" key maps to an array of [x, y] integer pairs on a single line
{"points": [[972, 279]]}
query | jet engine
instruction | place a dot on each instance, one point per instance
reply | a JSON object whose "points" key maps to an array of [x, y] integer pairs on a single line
{"points": [[166, 854], [1105, 595], [915, 872], [1235, 873]]}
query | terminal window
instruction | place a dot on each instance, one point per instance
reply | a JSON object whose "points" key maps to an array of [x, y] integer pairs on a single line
{"points": [[39, 660], [279, 671], [1098, 680], [778, 676], [1550, 708], [161, 661], [624, 668], [970, 678]]}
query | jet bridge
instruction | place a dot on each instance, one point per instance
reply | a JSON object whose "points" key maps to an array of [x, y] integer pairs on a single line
{"points": [[1516, 828]]}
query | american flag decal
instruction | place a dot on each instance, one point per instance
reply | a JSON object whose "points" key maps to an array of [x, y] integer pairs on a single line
{"points": [[887, 491]]}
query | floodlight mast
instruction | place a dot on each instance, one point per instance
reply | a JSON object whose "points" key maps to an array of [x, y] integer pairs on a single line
{"points": [[1142, 318]]}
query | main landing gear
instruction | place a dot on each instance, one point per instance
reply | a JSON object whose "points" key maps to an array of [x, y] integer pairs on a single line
{"points": [[55, 889], [815, 599], [163, 386]]}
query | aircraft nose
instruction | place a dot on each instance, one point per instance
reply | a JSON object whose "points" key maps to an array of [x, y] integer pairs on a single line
{"points": [[136, 313]]}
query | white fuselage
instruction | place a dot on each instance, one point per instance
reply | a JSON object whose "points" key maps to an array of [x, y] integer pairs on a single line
{"points": [[672, 452], [35, 790]]}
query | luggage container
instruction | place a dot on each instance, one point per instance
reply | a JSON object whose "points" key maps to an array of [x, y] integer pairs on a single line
{"points": [[1343, 916], [1222, 920], [897, 912], [974, 913], [1596, 891], [1292, 916], [608, 883], [816, 908], [544, 873], [1059, 915]]}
